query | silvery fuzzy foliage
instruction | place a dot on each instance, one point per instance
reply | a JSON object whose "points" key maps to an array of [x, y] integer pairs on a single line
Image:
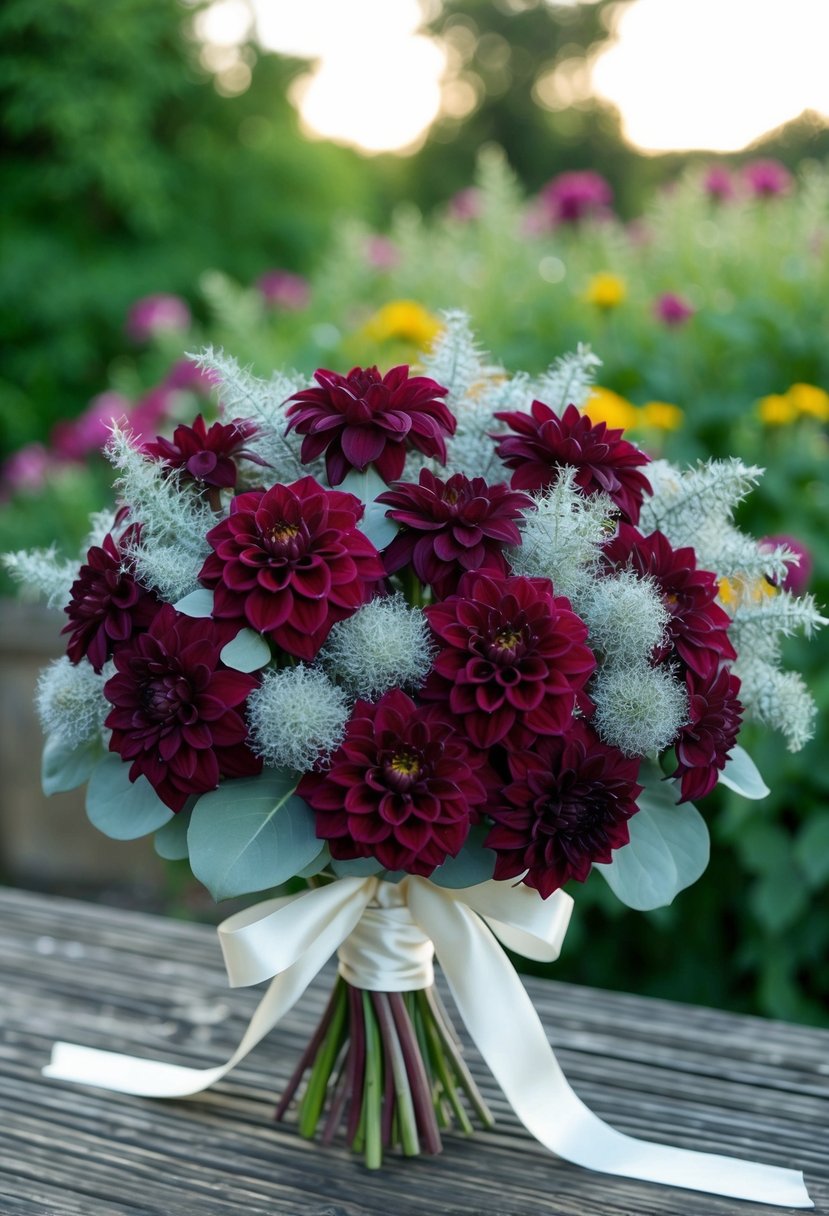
{"points": [[569, 379], [297, 717], [639, 709], [626, 617], [456, 360], [385, 644], [170, 570], [101, 524], [777, 699], [682, 500], [70, 701], [42, 572], [243, 395], [561, 538]]}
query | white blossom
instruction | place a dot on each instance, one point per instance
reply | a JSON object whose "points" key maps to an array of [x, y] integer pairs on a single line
{"points": [[297, 718], [70, 701], [385, 644]]}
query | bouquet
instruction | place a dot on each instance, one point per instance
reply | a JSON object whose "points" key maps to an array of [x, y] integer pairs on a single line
{"points": [[438, 645]]}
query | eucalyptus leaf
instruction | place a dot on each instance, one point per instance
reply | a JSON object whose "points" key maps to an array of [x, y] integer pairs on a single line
{"points": [[121, 808], [197, 603], [472, 865], [250, 834], [322, 859], [741, 775], [247, 652], [375, 524], [171, 839], [668, 850], [65, 768], [356, 867]]}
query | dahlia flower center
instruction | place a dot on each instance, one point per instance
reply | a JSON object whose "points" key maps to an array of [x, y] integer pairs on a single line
{"points": [[568, 816], [286, 541], [169, 697], [507, 645], [402, 771]]}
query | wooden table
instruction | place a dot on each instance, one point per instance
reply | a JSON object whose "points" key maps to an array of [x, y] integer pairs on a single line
{"points": [[154, 987]]}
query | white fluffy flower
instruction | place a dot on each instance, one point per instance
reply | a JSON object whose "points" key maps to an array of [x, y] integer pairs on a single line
{"points": [[386, 644], [638, 709], [297, 717], [626, 617], [70, 701]]}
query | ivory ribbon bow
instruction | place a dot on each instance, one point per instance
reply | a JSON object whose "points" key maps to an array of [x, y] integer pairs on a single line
{"points": [[291, 938]]}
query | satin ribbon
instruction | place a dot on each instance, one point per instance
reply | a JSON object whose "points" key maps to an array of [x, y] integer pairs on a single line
{"points": [[291, 939]]}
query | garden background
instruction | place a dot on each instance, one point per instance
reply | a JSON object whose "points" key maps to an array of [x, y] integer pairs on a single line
{"points": [[162, 193]]}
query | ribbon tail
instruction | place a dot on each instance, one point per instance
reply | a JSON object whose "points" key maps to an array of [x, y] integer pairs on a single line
{"points": [[156, 1079], [515, 1048]]}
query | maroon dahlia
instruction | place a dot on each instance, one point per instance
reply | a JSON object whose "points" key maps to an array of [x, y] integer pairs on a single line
{"points": [[449, 527], [703, 746], [568, 806], [604, 462], [175, 712], [107, 605], [206, 456], [512, 659], [403, 787], [698, 628], [290, 562], [365, 419]]}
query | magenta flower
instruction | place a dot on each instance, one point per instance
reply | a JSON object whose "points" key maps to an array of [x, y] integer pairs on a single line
{"points": [[206, 456], [543, 443], [381, 253], [577, 195], [512, 661], [672, 310], [367, 419], [107, 605], [290, 562], [449, 527], [176, 710], [567, 806], [703, 746], [284, 290], [404, 787], [799, 576], [718, 183], [465, 205], [185, 374], [26, 469], [158, 314], [77, 438], [150, 412], [767, 178]]}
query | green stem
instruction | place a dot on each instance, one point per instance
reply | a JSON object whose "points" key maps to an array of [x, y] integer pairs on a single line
{"points": [[453, 1050], [446, 1078], [406, 1120], [373, 1090], [314, 1096]]}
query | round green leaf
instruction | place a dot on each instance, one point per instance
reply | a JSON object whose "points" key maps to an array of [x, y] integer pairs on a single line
{"points": [[171, 839], [251, 834], [247, 652], [356, 867], [472, 865], [375, 524], [197, 603], [741, 775], [668, 850], [65, 768], [121, 808]]}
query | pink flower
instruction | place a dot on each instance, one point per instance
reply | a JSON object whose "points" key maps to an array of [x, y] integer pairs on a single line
{"points": [[672, 310], [184, 374], [568, 806], [512, 660], [150, 412], [381, 253], [798, 576], [158, 314], [284, 290], [290, 562], [767, 178], [575, 196], [403, 787], [465, 205], [77, 438], [718, 183], [26, 469], [367, 419]]}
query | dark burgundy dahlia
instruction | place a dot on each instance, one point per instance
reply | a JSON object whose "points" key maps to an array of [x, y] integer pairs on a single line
{"points": [[703, 746], [175, 712], [107, 605], [698, 628], [449, 527], [403, 787], [568, 806], [512, 659], [543, 443], [290, 562], [206, 456], [365, 419]]}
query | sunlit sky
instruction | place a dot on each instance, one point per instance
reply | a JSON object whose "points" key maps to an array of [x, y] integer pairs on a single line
{"points": [[709, 74]]}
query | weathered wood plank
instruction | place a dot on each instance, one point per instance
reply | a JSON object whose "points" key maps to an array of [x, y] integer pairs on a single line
{"points": [[694, 1077]]}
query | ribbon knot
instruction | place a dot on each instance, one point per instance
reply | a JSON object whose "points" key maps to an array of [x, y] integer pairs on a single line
{"points": [[291, 938]]}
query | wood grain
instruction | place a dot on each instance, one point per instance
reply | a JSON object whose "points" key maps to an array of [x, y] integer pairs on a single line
{"points": [[128, 982]]}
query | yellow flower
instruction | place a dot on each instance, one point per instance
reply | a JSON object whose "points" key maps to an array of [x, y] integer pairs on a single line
{"points": [[662, 416], [405, 321], [809, 399], [604, 405], [777, 409], [736, 591], [605, 291]]}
